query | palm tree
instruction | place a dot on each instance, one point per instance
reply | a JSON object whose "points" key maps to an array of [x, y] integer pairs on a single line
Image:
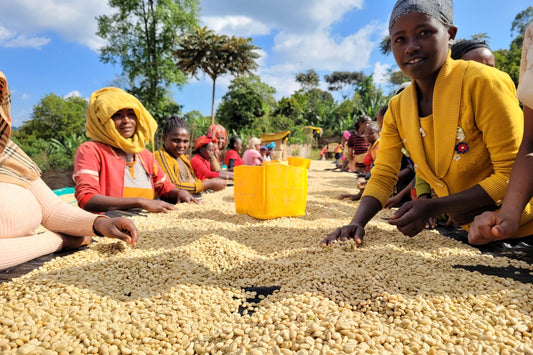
{"points": [[215, 55]]}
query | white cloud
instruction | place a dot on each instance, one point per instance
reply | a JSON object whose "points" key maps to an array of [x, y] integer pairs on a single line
{"points": [[74, 93], [320, 50], [72, 20], [292, 16], [10, 39], [381, 74], [235, 25]]}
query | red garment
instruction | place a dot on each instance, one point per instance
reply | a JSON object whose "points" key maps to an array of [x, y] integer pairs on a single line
{"points": [[99, 170], [201, 141], [359, 146], [202, 168], [233, 154]]}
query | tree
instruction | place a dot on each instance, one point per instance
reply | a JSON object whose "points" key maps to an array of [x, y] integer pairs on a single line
{"points": [[216, 55], [521, 21], [344, 81], [55, 117], [369, 99], [54, 132], [246, 100], [385, 46], [142, 35], [509, 60], [308, 80]]}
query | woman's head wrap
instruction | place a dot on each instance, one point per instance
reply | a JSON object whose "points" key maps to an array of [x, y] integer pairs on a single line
{"points": [[253, 142], [201, 141], [460, 48], [5, 115], [15, 166], [214, 131], [100, 127], [346, 135], [442, 10]]}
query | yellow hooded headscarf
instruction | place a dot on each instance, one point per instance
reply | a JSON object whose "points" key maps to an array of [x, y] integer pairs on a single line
{"points": [[100, 127]]}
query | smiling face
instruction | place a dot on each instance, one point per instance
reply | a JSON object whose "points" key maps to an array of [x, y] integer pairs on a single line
{"points": [[177, 141], [221, 141], [420, 45], [125, 122]]}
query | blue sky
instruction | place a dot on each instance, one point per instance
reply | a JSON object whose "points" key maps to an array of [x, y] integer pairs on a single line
{"points": [[50, 46]]}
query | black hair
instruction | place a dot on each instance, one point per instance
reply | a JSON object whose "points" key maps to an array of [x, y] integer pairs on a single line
{"points": [[383, 109], [174, 122], [460, 48], [361, 119], [232, 141]]}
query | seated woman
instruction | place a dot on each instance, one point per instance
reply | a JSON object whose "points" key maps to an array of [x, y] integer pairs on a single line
{"points": [[270, 151], [358, 145], [453, 133], [200, 162], [263, 152], [27, 202], [232, 157], [171, 156], [115, 171], [372, 138], [252, 156], [220, 139]]}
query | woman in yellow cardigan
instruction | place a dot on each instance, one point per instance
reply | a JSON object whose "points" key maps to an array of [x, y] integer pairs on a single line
{"points": [[459, 121]]}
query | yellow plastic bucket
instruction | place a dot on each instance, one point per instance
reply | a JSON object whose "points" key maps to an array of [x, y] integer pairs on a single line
{"points": [[270, 191], [298, 161]]}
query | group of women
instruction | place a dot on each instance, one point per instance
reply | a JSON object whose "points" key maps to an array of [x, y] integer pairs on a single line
{"points": [[112, 171], [448, 120]]}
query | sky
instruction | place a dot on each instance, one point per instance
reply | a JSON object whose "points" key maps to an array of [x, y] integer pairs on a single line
{"points": [[50, 46]]}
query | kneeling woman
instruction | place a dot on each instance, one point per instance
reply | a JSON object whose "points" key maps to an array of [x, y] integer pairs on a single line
{"points": [[115, 171], [27, 202], [449, 121], [171, 156]]}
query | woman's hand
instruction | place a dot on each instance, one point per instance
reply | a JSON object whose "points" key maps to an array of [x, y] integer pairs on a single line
{"points": [[491, 226], [157, 205], [185, 196], [353, 197], [215, 184], [412, 217], [119, 228], [393, 201], [355, 231]]}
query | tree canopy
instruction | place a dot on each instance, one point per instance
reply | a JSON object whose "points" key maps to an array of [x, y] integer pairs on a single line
{"points": [[246, 100], [54, 132], [202, 50], [308, 80], [344, 81], [142, 36]]}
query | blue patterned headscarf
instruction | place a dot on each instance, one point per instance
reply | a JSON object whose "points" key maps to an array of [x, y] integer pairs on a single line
{"points": [[442, 10]]}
